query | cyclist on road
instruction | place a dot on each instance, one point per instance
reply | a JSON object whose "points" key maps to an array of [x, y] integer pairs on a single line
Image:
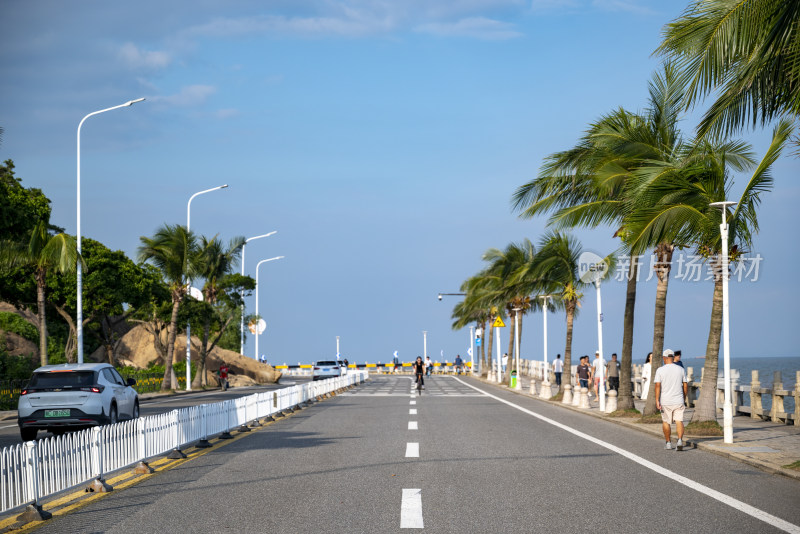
{"points": [[419, 371], [459, 363]]}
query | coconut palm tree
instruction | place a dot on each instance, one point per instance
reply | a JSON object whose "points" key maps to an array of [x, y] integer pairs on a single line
{"points": [[464, 313], [43, 253], [593, 184], [680, 213], [744, 51], [483, 294], [215, 262], [557, 271], [518, 281], [173, 250]]}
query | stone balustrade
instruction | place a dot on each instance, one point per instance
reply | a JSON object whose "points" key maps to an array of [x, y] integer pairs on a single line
{"points": [[753, 391]]}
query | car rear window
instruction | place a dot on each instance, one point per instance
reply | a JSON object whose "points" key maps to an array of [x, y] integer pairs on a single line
{"points": [[62, 379], [327, 363]]}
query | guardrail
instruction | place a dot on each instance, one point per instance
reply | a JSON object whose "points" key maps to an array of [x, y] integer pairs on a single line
{"points": [[34, 470]]}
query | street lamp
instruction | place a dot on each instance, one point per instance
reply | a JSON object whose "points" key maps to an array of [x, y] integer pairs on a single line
{"points": [[337, 348], [471, 338], [189, 282], [727, 407], [241, 326], [424, 345], [601, 391], [258, 334], [546, 392], [79, 318], [452, 294]]}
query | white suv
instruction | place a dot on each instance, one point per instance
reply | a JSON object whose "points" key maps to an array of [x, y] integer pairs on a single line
{"points": [[69, 396], [326, 369]]}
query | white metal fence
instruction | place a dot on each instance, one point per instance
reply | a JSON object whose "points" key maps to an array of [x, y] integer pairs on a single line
{"points": [[34, 470]]}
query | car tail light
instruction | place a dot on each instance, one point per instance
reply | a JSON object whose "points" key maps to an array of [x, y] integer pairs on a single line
{"points": [[23, 392], [316, 368], [94, 389]]}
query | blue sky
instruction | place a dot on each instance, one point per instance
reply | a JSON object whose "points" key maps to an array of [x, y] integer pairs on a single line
{"points": [[382, 140]]}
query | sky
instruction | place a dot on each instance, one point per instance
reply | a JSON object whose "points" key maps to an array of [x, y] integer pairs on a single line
{"points": [[381, 140]]}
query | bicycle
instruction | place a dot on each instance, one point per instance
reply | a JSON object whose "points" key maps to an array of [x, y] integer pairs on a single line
{"points": [[419, 383]]}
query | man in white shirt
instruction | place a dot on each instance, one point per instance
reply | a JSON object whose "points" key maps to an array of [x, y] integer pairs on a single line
{"points": [[671, 392], [558, 368], [598, 368]]}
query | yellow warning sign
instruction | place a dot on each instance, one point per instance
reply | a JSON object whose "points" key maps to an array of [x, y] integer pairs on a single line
{"points": [[499, 323]]}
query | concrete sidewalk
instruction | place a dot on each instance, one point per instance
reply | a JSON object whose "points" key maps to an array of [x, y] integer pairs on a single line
{"points": [[766, 445]]}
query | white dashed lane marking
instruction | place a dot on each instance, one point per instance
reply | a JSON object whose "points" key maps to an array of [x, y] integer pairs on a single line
{"points": [[412, 425], [412, 411], [412, 450], [411, 509]]}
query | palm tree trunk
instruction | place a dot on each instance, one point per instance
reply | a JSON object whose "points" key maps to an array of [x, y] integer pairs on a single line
{"points": [[172, 334], [625, 399], [483, 345], [40, 309], [201, 365], [567, 376], [706, 407], [663, 267], [71, 343]]}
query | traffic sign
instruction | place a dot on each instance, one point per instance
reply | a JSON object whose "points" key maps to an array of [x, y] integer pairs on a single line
{"points": [[478, 342], [498, 323]]}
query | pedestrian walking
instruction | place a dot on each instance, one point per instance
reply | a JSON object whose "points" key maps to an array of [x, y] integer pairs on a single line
{"points": [[396, 362], [584, 372], [505, 361], [612, 372], [671, 391], [598, 366], [223, 376], [647, 369], [558, 368]]}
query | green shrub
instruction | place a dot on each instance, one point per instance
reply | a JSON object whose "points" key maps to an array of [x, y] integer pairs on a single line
{"points": [[11, 322]]}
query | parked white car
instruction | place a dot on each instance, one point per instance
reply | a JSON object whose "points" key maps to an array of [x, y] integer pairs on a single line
{"points": [[72, 396]]}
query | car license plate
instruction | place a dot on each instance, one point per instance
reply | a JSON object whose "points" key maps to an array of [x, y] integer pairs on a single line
{"points": [[56, 413]]}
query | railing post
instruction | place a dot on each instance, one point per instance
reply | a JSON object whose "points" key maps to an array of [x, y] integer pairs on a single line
{"points": [[797, 399], [227, 433], [756, 409], [141, 467], [97, 485], [735, 395], [204, 443], [34, 511], [176, 453], [777, 410]]}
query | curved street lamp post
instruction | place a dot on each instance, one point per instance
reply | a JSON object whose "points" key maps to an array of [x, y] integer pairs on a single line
{"points": [[79, 318]]}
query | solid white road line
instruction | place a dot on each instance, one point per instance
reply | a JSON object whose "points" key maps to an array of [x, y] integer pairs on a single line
{"points": [[9, 426], [752, 511], [412, 450], [412, 425], [411, 509], [412, 411]]}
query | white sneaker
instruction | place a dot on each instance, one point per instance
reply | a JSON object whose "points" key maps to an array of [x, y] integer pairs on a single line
{"points": [[668, 446], [679, 445]]}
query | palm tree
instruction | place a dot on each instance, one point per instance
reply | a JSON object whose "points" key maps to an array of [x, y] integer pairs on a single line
{"points": [[464, 314], [557, 270], [680, 213], [745, 51], [593, 184], [483, 294], [43, 253], [517, 281], [173, 250], [215, 262]]}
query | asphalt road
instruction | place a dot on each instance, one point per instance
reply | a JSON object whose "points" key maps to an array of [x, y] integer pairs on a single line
{"points": [[497, 463], [9, 430]]}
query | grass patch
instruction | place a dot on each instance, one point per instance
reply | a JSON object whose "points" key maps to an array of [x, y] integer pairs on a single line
{"points": [[795, 466], [704, 428], [631, 412], [651, 419], [558, 397]]}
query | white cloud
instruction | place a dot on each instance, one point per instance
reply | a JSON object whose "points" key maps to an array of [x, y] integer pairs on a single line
{"points": [[226, 113], [143, 59], [475, 27], [631, 6], [189, 96], [280, 25]]}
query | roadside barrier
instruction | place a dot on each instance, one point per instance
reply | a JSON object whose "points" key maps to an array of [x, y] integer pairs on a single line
{"points": [[34, 470]]}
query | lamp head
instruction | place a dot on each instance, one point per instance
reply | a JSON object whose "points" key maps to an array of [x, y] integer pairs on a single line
{"points": [[131, 102], [440, 296]]}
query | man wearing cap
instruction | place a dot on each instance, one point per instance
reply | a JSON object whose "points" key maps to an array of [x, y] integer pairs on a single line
{"points": [[671, 392]]}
